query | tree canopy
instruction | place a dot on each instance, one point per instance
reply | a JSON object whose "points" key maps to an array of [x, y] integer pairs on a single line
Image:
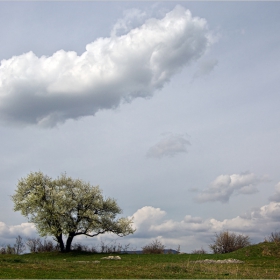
{"points": [[68, 207]]}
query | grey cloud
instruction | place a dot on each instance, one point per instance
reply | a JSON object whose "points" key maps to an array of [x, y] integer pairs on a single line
{"points": [[205, 67], [276, 196], [194, 189], [250, 189], [224, 186], [169, 146], [49, 90], [190, 219]]}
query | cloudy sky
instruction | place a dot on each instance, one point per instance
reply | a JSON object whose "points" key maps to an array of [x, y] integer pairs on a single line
{"points": [[172, 108]]}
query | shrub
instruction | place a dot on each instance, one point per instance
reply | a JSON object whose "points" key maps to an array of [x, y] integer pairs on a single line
{"points": [[226, 242], [274, 237], [7, 250], [19, 245], [47, 246], [92, 249], [79, 247], [32, 244], [199, 251], [113, 248], [155, 247]]}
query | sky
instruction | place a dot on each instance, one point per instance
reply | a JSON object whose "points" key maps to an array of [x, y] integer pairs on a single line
{"points": [[171, 107]]}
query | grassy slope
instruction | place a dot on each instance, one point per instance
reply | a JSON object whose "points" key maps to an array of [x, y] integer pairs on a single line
{"points": [[260, 261]]}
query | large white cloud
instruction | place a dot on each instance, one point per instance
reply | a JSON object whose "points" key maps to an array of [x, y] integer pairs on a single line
{"points": [[195, 232], [9, 233], [224, 186], [48, 90]]}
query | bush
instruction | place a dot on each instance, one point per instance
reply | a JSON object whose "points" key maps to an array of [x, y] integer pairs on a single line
{"points": [[113, 248], [7, 250], [79, 247], [32, 244], [47, 246], [274, 237], [35, 245], [155, 247], [226, 242], [19, 245], [199, 251], [17, 249]]}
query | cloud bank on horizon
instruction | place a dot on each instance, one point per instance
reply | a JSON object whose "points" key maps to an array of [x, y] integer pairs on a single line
{"points": [[49, 90], [192, 232], [200, 229]]}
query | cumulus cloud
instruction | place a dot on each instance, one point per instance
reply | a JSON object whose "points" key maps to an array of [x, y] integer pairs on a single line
{"points": [[146, 216], [169, 146], [49, 90], [224, 186], [149, 221], [25, 230]]}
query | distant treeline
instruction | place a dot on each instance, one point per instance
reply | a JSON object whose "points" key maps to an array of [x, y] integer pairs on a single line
{"points": [[37, 245]]}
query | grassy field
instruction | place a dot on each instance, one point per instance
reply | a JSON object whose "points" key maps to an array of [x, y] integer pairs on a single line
{"points": [[260, 261]]}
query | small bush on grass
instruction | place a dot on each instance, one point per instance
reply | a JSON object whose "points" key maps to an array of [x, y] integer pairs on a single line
{"points": [[226, 242], [47, 246], [113, 248], [32, 244], [35, 245], [274, 237], [155, 247], [78, 247], [19, 245], [7, 250], [199, 251]]}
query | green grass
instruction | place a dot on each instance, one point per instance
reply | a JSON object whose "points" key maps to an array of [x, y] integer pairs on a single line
{"points": [[260, 261]]}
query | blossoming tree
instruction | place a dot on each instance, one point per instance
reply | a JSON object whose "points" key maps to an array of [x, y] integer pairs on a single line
{"points": [[68, 207]]}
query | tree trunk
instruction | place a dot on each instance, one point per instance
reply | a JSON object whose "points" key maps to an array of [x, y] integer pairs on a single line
{"points": [[61, 243], [69, 241]]}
